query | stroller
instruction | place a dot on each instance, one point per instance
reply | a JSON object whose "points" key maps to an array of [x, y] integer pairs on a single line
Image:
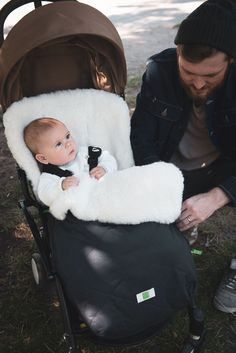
{"points": [[124, 281]]}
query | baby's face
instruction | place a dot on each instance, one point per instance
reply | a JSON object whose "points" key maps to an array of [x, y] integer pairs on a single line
{"points": [[57, 146]]}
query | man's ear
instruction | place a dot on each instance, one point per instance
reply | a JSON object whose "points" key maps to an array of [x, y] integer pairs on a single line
{"points": [[40, 158]]}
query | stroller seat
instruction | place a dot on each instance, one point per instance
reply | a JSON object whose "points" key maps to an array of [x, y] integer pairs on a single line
{"points": [[92, 116]]}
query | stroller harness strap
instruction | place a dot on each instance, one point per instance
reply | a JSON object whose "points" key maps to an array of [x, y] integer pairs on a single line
{"points": [[93, 154], [54, 169]]}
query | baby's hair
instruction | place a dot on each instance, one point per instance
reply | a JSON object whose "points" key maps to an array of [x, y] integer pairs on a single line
{"points": [[35, 129]]}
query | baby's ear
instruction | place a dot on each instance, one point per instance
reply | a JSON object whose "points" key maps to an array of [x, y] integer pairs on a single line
{"points": [[40, 158]]}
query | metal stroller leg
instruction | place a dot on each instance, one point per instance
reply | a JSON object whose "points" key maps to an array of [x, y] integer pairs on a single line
{"points": [[197, 331], [71, 344], [68, 335], [196, 326]]}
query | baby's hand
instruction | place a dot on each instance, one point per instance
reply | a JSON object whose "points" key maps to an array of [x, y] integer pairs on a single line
{"points": [[69, 181], [97, 172]]}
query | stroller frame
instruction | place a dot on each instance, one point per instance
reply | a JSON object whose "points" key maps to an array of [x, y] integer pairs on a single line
{"points": [[45, 272], [42, 260]]}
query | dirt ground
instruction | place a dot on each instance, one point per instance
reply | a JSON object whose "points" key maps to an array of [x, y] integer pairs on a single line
{"points": [[8, 182], [8, 197]]}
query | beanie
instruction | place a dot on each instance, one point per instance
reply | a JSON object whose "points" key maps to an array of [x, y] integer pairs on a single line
{"points": [[213, 24]]}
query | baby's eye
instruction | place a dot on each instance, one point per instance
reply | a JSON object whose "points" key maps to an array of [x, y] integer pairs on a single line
{"points": [[58, 144], [68, 136]]}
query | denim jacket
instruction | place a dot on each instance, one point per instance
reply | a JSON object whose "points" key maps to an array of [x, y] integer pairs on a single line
{"points": [[163, 109]]}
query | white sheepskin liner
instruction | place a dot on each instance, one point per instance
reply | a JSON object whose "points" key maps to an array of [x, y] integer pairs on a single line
{"points": [[129, 196]]}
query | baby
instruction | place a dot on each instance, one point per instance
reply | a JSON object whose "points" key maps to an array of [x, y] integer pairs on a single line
{"points": [[53, 146], [157, 189]]}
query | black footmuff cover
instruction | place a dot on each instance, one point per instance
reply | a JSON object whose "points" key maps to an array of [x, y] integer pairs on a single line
{"points": [[123, 279]]}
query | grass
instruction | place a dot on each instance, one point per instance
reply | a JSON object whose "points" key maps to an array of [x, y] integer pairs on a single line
{"points": [[30, 319]]}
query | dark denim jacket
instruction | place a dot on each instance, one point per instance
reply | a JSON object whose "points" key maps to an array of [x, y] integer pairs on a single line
{"points": [[163, 109]]}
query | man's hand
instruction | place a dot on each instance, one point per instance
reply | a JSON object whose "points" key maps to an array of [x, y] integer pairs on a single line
{"points": [[69, 181], [97, 172], [198, 208]]}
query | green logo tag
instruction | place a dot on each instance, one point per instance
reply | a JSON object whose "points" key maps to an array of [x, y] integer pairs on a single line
{"points": [[147, 294]]}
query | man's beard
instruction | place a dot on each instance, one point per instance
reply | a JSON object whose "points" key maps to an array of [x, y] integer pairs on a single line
{"points": [[198, 99]]}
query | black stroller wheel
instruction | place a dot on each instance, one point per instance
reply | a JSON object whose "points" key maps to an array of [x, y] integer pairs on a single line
{"points": [[38, 270]]}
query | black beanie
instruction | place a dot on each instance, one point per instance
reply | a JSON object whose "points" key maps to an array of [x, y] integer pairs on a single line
{"points": [[213, 24]]}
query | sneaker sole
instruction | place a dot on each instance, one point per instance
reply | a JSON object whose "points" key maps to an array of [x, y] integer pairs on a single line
{"points": [[223, 308]]}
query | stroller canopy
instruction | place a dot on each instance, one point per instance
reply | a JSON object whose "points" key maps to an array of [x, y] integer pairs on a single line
{"points": [[63, 45]]}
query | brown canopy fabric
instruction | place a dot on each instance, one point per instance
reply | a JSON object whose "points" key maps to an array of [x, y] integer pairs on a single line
{"points": [[63, 45]]}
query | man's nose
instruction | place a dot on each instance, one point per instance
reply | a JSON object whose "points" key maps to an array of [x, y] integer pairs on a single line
{"points": [[199, 82]]}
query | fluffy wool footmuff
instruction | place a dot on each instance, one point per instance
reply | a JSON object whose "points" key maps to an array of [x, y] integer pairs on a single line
{"points": [[129, 196]]}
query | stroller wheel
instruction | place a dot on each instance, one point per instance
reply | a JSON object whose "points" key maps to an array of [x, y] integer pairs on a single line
{"points": [[38, 270]]}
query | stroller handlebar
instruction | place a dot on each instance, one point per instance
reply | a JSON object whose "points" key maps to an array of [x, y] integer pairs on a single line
{"points": [[13, 5]]}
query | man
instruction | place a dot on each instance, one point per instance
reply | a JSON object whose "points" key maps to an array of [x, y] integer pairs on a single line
{"points": [[186, 114]]}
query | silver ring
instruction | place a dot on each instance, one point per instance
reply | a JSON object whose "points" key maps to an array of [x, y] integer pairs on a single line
{"points": [[189, 219]]}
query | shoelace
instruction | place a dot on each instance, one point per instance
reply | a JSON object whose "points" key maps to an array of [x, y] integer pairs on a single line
{"points": [[230, 281]]}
